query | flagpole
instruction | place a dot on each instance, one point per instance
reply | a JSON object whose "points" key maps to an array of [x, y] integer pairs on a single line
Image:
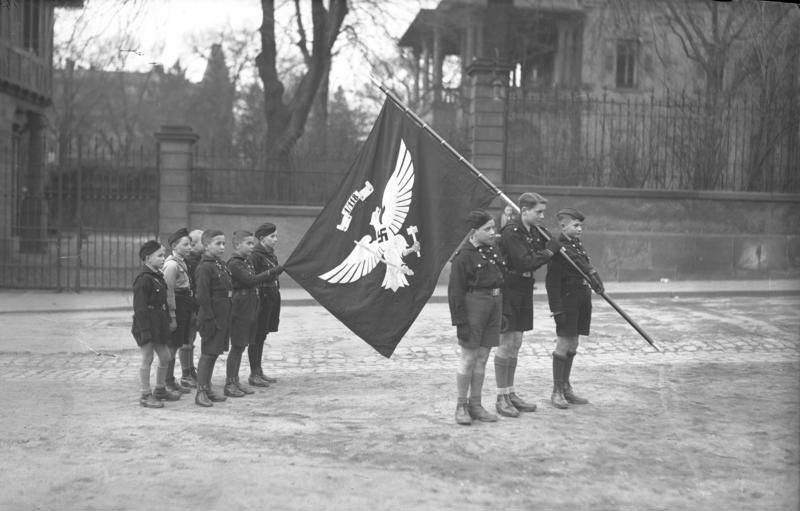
{"points": [[498, 192]]}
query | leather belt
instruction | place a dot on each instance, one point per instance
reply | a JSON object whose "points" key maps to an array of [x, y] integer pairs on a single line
{"points": [[184, 292], [222, 294], [162, 307], [491, 291], [245, 291], [526, 274]]}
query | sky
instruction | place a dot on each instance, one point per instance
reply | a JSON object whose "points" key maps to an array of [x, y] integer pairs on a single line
{"points": [[166, 30]]}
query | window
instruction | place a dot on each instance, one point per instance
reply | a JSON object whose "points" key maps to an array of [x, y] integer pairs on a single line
{"points": [[627, 50], [30, 25]]}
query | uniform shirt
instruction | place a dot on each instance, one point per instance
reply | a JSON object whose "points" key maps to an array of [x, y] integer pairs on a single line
{"points": [[522, 249], [244, 274], [264, 259], [149, 303], [213, 283], [176, 275], [472, 268], [562, 276], [192, 262]]}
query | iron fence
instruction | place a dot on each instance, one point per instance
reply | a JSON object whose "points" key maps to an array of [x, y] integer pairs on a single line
{"points": [[77, 222], [229, 178], [668, 143]]}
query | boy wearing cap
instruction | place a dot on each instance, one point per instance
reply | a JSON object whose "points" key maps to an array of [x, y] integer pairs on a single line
{"points": [[180, 300], [214, 291], [244, 308], [263, 260], [570, 303], [150, 326], [475, 298], [524, 250]]}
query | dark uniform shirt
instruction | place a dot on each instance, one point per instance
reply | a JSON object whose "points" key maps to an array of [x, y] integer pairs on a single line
{"points": [[243, 273], [472, 268], [523, 250], [213, 280], [264, 259], [150, 311], [192, 262], [562, 277]]}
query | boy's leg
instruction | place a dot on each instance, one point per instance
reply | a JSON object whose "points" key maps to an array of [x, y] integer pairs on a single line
{"points": [[254, 349], [463, 379], [510, 344], [161, 391], [569, 395], [476, 410], [559, 366], [211, 360], [147, 400], [203, 376], [232, 371]]}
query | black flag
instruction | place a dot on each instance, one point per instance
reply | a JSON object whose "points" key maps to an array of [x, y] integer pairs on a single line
{"points": [[374, 254]]}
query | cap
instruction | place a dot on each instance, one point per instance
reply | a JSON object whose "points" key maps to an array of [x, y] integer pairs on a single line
{"points": [[265, 229], [571, 212], [148, 248], [478, 218], [177, 235]]}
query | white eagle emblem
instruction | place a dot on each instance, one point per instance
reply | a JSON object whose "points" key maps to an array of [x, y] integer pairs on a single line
{"points": [[388, 246]]}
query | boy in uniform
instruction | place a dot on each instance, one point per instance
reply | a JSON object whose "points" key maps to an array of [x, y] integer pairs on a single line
{"points": [[150, 326], [189, 376], [214, 291], [476, 301], [180, 300], [244, 308], [263, 260], [570, 303], [524, 250]]}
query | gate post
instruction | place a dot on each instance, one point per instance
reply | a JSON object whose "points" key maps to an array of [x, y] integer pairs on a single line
{"points": [[175, 159], [488, 88]]}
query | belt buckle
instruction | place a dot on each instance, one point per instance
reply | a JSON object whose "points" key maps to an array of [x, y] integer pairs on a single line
{"points": [[496, 291], [230, 294], [527, 274]]}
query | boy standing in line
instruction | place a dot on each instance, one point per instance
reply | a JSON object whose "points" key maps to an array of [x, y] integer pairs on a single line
{"points": [[214, 291], [263, 260], [189, 376], [570, 303], [180, 300], [244, 308], [150, 326]]}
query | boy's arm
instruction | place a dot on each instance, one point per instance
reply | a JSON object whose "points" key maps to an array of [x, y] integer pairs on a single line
{"points": [[241, 275], [520, 254], [457, 292], [553, 285], [203, 278], [141, 292], [170, 277]]}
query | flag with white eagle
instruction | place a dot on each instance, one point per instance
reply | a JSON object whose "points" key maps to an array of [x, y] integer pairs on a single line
{"points": [[374, 254]]}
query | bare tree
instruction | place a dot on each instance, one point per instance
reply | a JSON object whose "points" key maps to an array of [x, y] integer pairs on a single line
{"points": [[286, 119]]}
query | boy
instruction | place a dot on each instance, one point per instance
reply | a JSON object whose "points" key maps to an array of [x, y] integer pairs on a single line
{"points": [[214, 291], [476, 302], [264, 259], [180, 300], [244, 308], [189, 377], [570, 303], [150, 326]]}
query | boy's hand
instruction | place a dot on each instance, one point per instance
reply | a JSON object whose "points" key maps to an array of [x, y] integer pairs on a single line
{"points": [[173, 324], [596, 283], [277, 270]]}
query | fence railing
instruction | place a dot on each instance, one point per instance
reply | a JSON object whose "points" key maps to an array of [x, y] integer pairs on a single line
{"points": [[668, 143]]}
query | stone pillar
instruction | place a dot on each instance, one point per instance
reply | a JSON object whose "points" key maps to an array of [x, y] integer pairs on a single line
{"points": [[175, 145], [33, 207], [487, 117], [7, 184]]}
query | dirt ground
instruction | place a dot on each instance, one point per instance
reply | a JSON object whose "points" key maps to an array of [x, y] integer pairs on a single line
{"points": [[671, 437]]}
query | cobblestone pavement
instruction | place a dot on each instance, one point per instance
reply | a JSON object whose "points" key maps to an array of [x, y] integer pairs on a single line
{"points": [[91, 345]]}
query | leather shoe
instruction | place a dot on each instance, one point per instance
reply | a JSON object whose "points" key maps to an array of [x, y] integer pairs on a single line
{"points": [[268, 379], [201, 398], [242, 387], [479, 413], [164, 394], [213, 396], [557, 398], [148, 401], [174, 387], [188, 382], [231, 390], [519, 404], [504, 406], [256, 381], [462, 415], [572, 398]]}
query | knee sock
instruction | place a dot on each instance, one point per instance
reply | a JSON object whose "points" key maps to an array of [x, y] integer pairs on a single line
{"points": [[475, 387], [184, 355], [254, 354], [501, 367], [234, 361], [512, 369], [205, 368], [171, 370], [462, 385], [144, 379]]}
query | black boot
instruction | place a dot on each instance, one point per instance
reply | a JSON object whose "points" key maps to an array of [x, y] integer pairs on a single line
{"points": [[256, 381], [478, 412], [231, 390], [244, 388], [268, 379], [557, 398], [148, 401], [201, 398], [174, 387], [569, 395]]}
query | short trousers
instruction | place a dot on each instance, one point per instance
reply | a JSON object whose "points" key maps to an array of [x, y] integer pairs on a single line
{"points": [[484, 316], [518, 307], [578, 310]]}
